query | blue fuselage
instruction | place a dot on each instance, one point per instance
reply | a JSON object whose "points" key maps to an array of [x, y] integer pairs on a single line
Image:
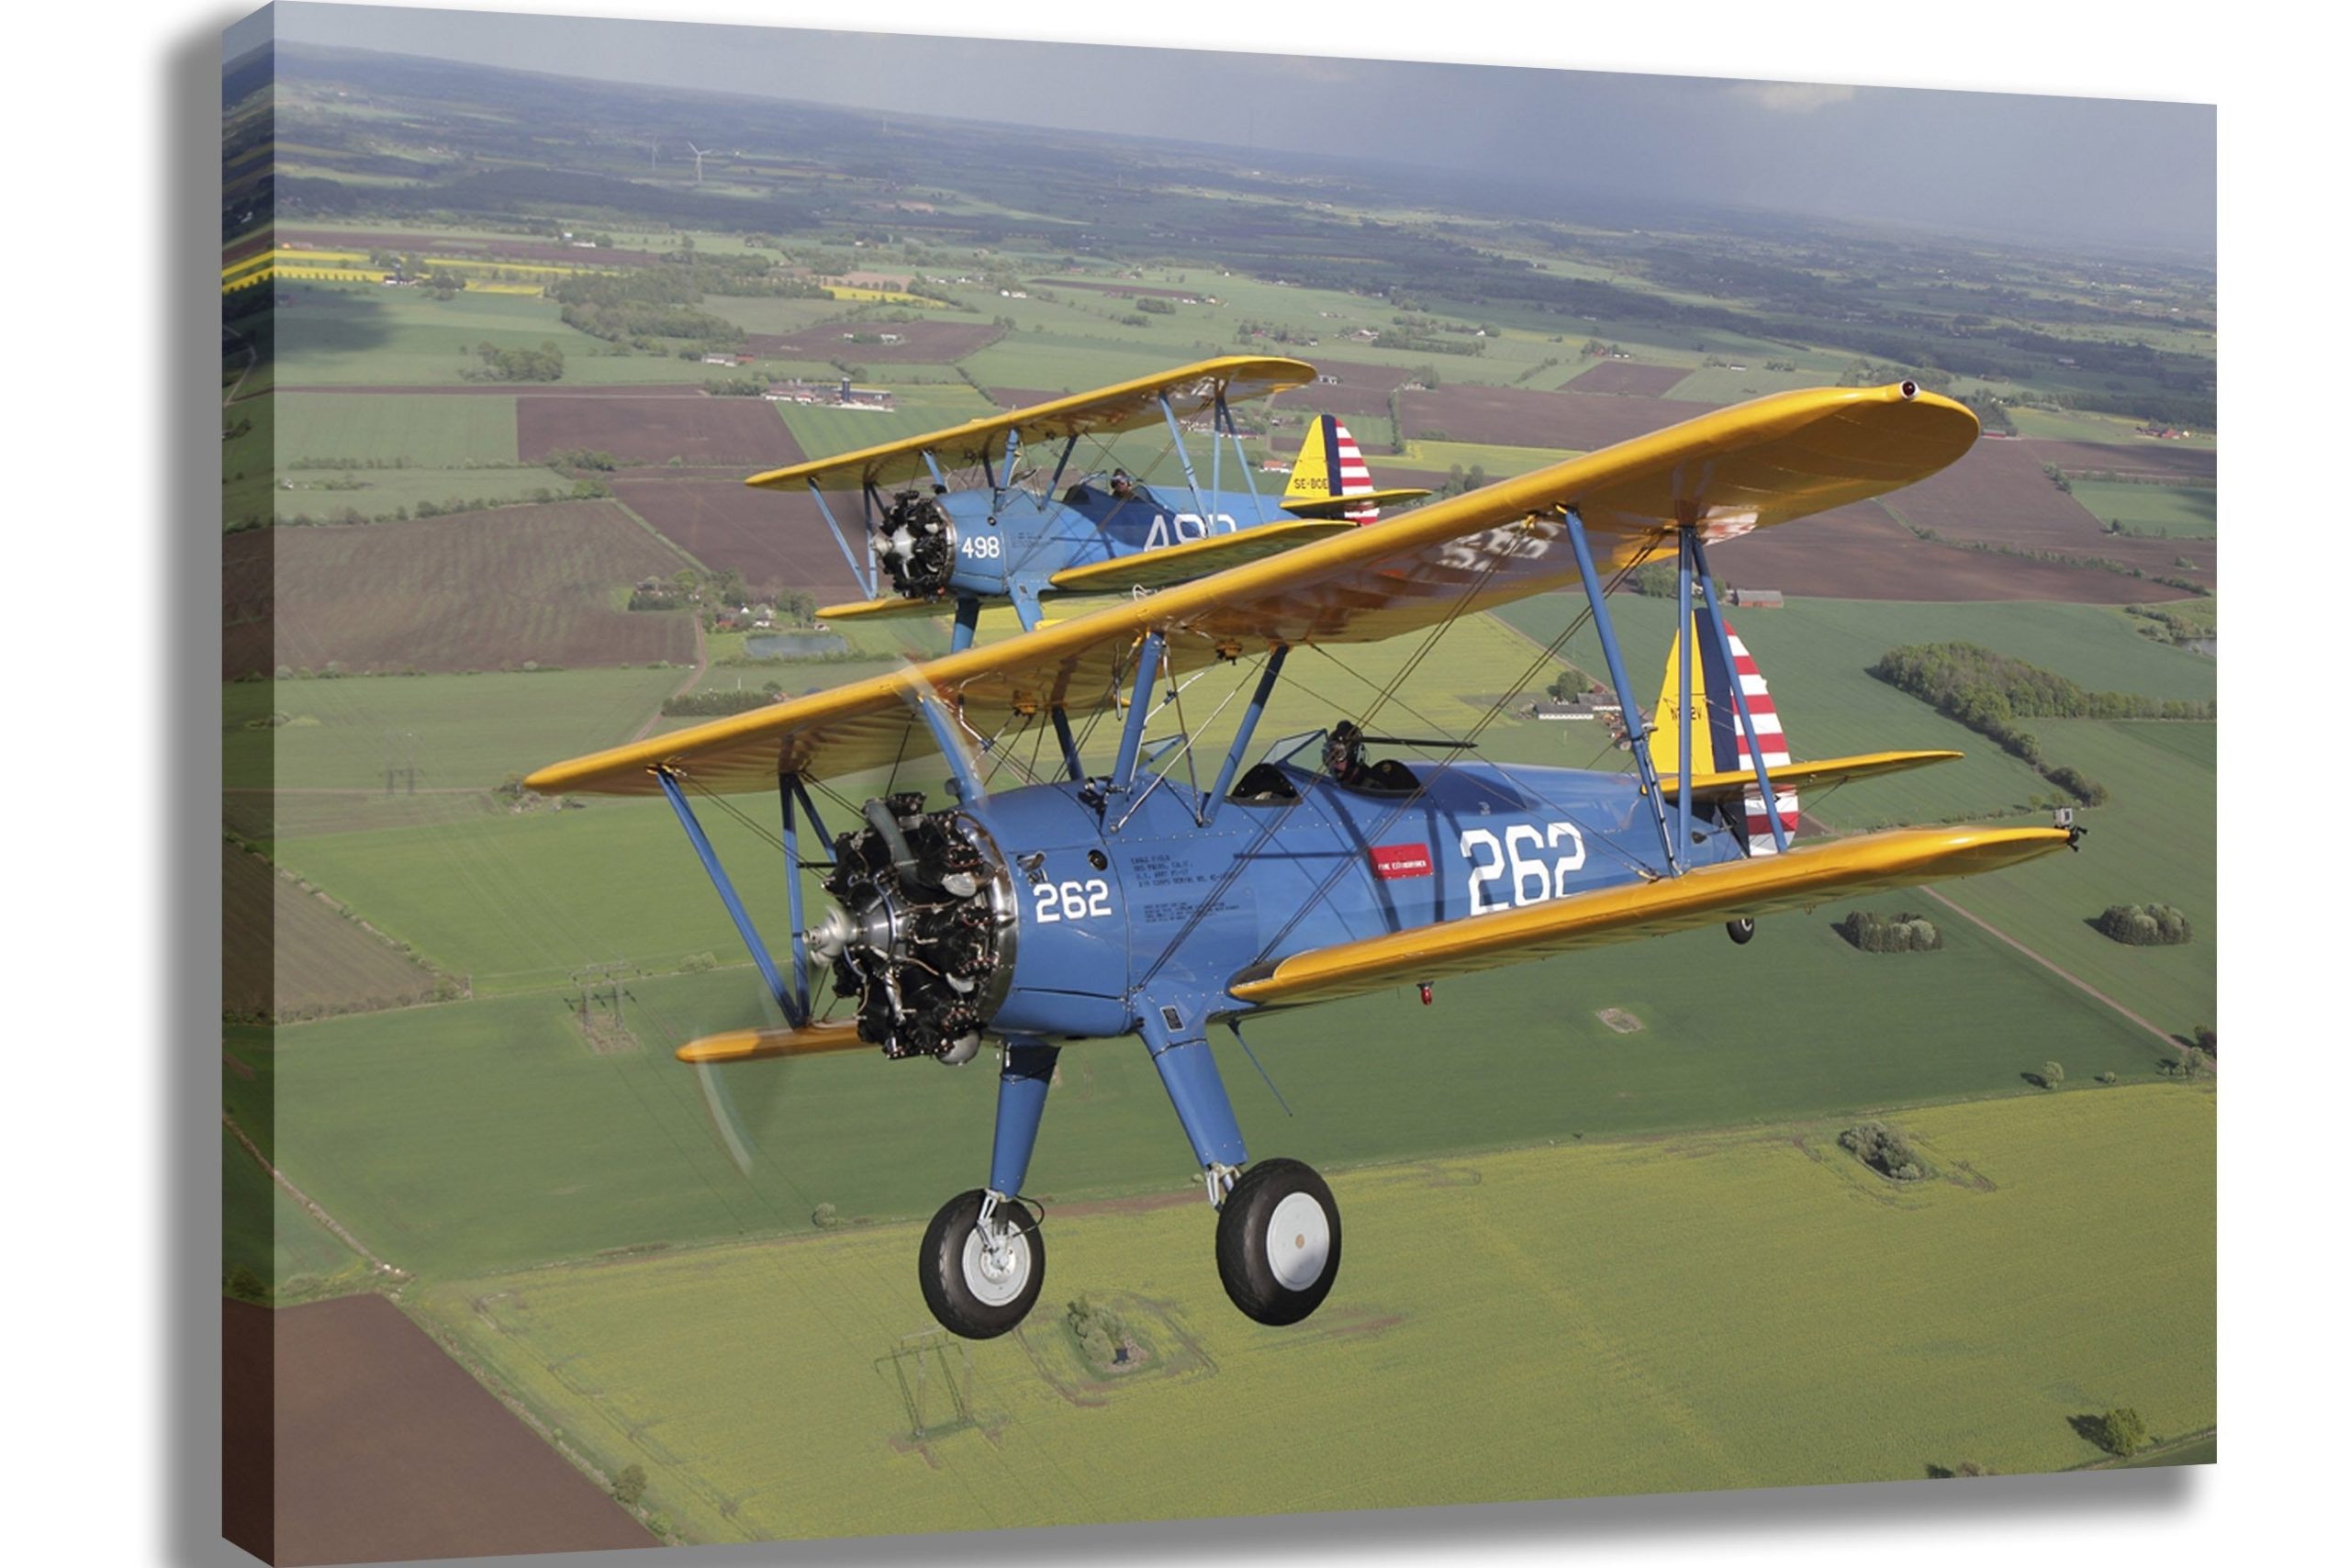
{"points": [[1032, 537], [1136, 905]]}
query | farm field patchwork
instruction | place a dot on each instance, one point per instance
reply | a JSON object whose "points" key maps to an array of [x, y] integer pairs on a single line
{"points": [[480, 590], [264, 1230], [918, 342], [1860, 551], [827, 432], [360, 334], [1999, 494], [1609, 1345], [287, 951]]}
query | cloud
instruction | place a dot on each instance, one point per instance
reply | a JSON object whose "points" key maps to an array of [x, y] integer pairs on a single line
{"points": [[1791, 97]]}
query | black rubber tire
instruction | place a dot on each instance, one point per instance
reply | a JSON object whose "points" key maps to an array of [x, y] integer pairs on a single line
{"points": [[1243, 1255], [949, 1291], [1741, 930]]}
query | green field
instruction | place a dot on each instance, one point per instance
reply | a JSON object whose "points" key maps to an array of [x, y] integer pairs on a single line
{"points": [[1714, 1311], [1718, 384], [248, 460], [1063, 362], [425, 432], [2176, 512], [463, 731], [324, 495], [364, 335], [264, 1229], [780, 318], [920, 409], [2068, 424]]}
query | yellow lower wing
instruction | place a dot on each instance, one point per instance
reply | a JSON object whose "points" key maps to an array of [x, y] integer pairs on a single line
{"points": [[1182, 563], [759, 1045], [1899, 858], [1806, 775], [880, 608]]}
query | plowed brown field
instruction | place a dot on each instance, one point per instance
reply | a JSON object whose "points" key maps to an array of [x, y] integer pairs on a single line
{"points": [[775, 539], [1998, 494], [480, 590], [655, 430], [349, 1436], [1514, 416]]}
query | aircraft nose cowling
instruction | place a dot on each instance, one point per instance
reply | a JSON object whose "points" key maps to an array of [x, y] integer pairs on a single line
{"points": [[924, 929]]}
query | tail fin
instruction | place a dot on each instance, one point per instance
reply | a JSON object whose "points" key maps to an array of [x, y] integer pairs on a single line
{"points": [[1332, 479], [1716, 737]]}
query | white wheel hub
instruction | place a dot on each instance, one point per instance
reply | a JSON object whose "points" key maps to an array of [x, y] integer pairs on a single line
{"points": [[1297, 1241], [995, 1274]]}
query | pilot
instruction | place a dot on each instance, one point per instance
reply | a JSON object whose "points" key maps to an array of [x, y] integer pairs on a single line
{"points": [[1121, 487], [1342, 760]]}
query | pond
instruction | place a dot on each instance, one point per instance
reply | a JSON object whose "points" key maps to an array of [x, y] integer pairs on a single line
{"points": [[794, 645]]}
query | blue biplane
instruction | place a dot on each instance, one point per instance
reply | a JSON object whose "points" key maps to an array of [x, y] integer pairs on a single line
{"points": [[1113, 896], [1018, 531]]}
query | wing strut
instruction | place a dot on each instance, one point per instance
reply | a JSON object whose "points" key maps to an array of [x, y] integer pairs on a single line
{"points": [[1256, 710], [1183, 455], [1597, 592], [867, 578], [1682, 543], [1736, 697], [793, 1002]]}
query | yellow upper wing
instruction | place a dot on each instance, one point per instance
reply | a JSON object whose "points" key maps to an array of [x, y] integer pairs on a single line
{"points": [[1899, 858], [1723, 473], [1190, 390]]}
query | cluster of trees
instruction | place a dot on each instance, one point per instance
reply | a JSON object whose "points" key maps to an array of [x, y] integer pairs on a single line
{"points": [[1885, 1151], [2121, 1432], [1972, 683], [1151, 305], [651, 309], [1661, 579], [2144, 924], [1874, 933], [736, 386], [582, 457], [717, 705], [541, 364], [2168, 625], [1988, 691], [1100, 1333]]}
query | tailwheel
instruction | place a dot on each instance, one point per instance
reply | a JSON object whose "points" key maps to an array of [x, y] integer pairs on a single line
{"points": [[982, 1264], [1277, 1242], [1741, 930]]}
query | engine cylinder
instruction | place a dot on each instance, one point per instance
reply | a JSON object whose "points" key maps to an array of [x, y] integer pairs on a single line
{"points": [[925, 934], [915, 543]]}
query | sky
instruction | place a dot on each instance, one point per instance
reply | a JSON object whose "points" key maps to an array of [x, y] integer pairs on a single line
{"points": [[2134, 173]]}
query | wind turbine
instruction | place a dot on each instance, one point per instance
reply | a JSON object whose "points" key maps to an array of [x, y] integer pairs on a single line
{"points": [[698, 155]]}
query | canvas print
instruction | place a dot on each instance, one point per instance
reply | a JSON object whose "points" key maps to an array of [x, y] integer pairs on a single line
{"points": [[942, 816]]}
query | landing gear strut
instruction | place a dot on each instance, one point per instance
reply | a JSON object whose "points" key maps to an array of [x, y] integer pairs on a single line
{"points": [[1277, 1242], [982, 1264]]}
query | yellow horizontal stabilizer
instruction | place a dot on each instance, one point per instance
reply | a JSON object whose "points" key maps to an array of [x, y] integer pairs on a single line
{"points": [[1337, 506], [879, 608], [1190, 391], [1180, 563], [1899, 858], [1724, 473], [1807, 774], [759, 1045]]}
